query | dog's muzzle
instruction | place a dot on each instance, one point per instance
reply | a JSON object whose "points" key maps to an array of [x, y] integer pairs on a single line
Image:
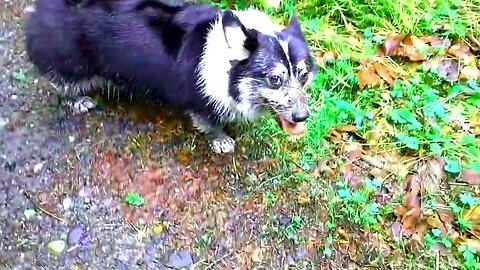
{"points": [[294, 120]]}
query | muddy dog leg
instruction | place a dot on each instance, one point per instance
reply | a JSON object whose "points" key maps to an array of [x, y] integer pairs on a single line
{"points": [[220, 141], [76, 99]]}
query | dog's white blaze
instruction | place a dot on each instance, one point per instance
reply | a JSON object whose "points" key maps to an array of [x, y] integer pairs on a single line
{"points": [[284, 45]]}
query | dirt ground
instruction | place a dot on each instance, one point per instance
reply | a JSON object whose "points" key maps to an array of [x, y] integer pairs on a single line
{"points": [[65, 178]]}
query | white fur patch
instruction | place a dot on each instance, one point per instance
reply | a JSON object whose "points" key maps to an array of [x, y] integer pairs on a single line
{"points": [[214, 67], [30, 9], [252, 18], [301, 65]]}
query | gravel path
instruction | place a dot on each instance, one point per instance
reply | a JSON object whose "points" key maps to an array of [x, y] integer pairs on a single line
{"points": [[63, 182]]}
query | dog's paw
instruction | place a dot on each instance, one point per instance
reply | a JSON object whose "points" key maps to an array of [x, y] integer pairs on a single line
{"points": [[223, 144], [81, 105]]}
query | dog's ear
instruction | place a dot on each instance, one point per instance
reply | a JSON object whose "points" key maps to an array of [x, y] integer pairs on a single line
{"points": [[240, 40], [294, 28]]}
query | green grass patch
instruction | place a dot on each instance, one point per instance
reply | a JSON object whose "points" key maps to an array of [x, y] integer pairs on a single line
{"points": [[428, 115]]}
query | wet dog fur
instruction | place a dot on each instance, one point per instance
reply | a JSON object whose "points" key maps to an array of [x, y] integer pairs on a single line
{"points": [[217, 66]]}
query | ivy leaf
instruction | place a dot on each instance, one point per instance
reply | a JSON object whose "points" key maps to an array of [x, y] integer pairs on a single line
{"points": [[344, 194], [474, 166], [19, 75], [436, 232], [402, 116], [452, 166], [327, 252], [410, 142], [446, 242], [436, 148], [467, 199], [455, 208], [133, 198]]}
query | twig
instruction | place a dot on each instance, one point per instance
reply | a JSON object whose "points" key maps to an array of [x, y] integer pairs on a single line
{"points": [[41, 209]]}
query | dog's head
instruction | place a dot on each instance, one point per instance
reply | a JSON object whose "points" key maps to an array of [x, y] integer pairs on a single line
{"points": [[271, 68]]}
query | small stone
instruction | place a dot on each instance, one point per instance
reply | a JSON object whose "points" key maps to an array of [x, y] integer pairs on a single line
{"points": [[120, 266], [38, 167], [67, 203], [179, 260], [77, 236], [302, 253], [56, 246], [29, 213], [150, 249], [284, 220], [158, 228], [3, 123], [290, 259]]}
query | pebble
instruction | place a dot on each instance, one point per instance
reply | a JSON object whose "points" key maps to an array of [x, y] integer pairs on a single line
{"points": [[150, 249], [56, 246], [180, 260], [67, 203], [29, 213], [37, 167], [78, 236], [120, 266]]}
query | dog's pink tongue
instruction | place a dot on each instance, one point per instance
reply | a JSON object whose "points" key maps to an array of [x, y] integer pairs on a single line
{"points": [[292, 128]]}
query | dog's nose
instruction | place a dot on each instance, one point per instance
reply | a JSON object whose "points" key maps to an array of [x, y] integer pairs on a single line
{"points": [[300, 115]]}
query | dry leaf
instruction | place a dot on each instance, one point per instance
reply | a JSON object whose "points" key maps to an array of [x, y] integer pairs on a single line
{"points": [[459, 49], [470, 73], [303, 198], [473, 243], [410, 211], [367, 76], [411, 47], [431, 174], [255, 253], [470, 176], [384, 72], [392, 42]]}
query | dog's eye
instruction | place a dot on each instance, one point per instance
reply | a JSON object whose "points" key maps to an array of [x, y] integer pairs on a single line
{"points": [[275, 81]]}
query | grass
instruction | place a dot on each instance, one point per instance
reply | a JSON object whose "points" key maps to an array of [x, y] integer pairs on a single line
{"points": [[421, 115]]}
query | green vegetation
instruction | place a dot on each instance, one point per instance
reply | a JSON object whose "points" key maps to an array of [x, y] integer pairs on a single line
{"points": [[421, 102]]}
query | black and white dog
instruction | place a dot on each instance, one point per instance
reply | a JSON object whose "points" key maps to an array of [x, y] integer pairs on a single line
{"points": [[216, 65]]}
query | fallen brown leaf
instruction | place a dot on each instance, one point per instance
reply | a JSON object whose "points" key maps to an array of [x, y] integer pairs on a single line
{"points": [[459, 49], [303, 198], [254, 252], [411, 47], [470, 73], [367, 76], [470, 176], [473, 243], [409, 212], [385, 73], [392, 42]]}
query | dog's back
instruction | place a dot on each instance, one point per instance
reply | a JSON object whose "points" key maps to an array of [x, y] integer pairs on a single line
{"points": [[111, 39], [55, 41]]}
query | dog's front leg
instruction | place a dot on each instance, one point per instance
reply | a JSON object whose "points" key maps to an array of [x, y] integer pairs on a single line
{"points": [[220, 141], [76, 96]]}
